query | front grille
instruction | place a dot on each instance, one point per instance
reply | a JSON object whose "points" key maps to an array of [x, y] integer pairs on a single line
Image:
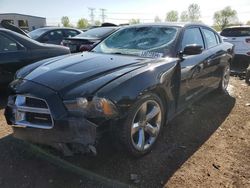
{"points": [[29, 111]]}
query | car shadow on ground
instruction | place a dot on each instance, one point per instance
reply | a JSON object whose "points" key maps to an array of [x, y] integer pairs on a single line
{"points": [[179, 140]]}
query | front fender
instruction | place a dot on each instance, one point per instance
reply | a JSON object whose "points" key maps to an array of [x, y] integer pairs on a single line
{"points": [[158, 79]]}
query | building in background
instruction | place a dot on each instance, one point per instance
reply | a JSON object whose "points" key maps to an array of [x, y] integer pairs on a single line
{"points": [[25, 22]]}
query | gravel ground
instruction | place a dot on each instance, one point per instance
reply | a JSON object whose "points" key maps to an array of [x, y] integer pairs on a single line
{"points": [[208, 145]]}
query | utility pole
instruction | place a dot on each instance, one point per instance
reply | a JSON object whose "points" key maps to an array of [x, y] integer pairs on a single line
{"points": [[92, 15], [103, 15]]}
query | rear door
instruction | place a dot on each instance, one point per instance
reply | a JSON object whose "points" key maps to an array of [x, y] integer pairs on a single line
{"points": [[215, 61]]}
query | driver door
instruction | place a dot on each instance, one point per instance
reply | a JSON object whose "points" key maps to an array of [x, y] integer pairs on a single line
{"points": [[193, 69]]}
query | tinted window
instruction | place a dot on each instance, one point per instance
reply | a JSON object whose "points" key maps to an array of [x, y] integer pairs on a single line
{"points": [[54, 35], [192, 36], [7, 45], [236, 32], [70, 33], [97, 32], [37, 33], [210, 38], [145, 41]]}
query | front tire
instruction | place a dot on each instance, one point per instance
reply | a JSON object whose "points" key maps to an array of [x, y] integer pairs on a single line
{"points": [[143, 124]]}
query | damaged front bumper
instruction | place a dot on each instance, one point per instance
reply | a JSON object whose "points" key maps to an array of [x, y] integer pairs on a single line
{"points": [[42, 118]]}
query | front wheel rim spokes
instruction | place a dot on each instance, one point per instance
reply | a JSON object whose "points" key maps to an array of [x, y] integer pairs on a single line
{"points": [[146, 125]]}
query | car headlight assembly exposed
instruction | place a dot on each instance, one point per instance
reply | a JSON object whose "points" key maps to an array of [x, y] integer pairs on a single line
{"points": [[97, 107]]}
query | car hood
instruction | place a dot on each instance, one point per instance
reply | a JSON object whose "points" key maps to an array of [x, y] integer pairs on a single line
{"points": [[66, 73]]}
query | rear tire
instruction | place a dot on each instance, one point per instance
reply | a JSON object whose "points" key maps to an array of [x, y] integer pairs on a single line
{"points": [[224, 79], [142, 127]]}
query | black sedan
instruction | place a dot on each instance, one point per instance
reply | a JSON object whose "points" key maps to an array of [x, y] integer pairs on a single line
{"points": [[131, 84], [17, 51], [53, 35], [89, 39]]}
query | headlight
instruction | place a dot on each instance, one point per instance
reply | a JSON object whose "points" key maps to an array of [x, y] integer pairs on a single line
{"points": [[97, 107]]}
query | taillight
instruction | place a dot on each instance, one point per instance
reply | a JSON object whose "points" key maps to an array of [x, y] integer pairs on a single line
{"points": [[248, 40]]}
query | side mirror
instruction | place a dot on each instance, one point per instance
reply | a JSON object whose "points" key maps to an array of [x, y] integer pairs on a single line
{"points": [[192, 49]]}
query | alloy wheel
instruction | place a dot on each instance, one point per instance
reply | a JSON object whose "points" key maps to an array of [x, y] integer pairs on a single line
{"points": [[146, 125], [225, 78]]}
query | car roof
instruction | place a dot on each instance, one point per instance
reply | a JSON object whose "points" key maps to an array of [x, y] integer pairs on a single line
{"points": [[239, 26], [173, 24], [52, 28]]}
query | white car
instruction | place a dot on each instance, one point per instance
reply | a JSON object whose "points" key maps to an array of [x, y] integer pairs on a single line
{"points": [[240, 37]]}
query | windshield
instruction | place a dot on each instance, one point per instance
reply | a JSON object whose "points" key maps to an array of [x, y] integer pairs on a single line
{"points": [[97, 32], [144, 41], [37, 33], [236, 32]]}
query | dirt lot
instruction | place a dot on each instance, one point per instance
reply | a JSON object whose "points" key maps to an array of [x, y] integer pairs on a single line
{"points": [[208, 145]]}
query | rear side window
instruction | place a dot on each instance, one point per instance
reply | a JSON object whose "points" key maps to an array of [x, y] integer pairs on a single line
{"points": [[70, 33], [54, 35], [236, 32], [7, 45], [192, 36], [210, 38]]}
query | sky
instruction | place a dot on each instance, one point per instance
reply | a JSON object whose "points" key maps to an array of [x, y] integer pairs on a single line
{"points": [[120, 11]]}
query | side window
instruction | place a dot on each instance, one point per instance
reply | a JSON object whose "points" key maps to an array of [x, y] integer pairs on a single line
{"points": [[210, 38], [7, 45], [53, 36], [70, 33], [192, 36]]}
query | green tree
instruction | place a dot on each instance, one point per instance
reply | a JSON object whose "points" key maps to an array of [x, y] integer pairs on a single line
{"points": [[225, 17], [172, 16], [184, 16], [65, 21], [134, 21], [82, 23], [194, 13], [157, 19]]}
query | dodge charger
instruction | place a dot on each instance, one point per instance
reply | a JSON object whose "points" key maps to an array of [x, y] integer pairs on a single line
{"points": [[130, 85]]}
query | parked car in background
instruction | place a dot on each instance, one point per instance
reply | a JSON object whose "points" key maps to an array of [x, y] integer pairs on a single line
{"points": [[131, 84], [17, 51], [89, 39], [53, 35], [240, 37]]}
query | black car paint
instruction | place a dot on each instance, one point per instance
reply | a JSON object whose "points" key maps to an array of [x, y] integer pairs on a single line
{"points": [[40, 38], [29, 52], [178, 80]]}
